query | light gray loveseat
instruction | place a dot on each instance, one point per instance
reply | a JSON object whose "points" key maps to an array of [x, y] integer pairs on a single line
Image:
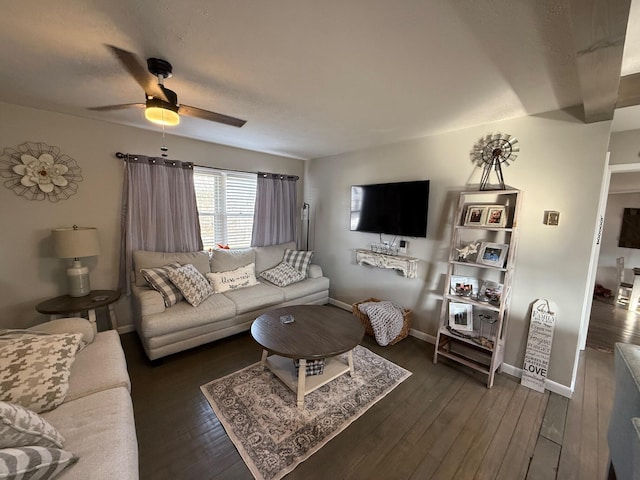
{"points": [[95, 415], [167, 330], [624, 425]]}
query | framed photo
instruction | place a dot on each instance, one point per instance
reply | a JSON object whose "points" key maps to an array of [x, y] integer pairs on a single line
{"points": [[476, 215], [492, 254], [490, 292], [461, 316], [464, 286], [496, 216]]}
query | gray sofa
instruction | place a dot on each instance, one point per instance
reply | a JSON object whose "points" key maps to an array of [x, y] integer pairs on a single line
{"points": [[96, 416], [164, 331], [624, 426]]}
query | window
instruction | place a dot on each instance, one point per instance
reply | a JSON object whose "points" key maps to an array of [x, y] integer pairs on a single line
{"points": [[225, 206]]}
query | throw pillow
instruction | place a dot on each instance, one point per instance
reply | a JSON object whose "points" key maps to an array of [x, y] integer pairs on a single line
{"points": [[282, 275], [35, 369], [20, 427], [241, 277], [34, 462], [158, 279], [298, 259], [191, 283]]}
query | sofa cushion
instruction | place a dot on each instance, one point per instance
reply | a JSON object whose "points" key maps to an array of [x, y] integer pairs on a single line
{"points": [[241, 277], [307, 287], [98, 367], [269, 257], [191, 283], [253, 298], [227, 260], [20, 427], [158, 279], [34, 369], [38, 463], [183, 316], [282, 275], [298, 259], [69, 325], [145, 259], [100, 429]]}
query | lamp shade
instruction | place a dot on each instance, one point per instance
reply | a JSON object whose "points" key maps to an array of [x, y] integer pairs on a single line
{"points": [[76, 242], [161, 112]]}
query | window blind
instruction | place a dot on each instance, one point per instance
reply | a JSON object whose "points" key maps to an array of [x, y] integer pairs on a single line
{"points": [[226, 202]]}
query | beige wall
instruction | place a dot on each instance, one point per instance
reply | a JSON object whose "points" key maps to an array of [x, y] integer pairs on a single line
{"points": [[560, 167], [625, 147], [30, 273]]}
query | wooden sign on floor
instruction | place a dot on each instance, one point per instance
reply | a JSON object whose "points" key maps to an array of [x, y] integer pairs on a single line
{"points": [[536, 358]]}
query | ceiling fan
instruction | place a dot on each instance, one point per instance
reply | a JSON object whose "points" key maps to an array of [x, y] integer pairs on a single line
{"points": [[161, 104]]}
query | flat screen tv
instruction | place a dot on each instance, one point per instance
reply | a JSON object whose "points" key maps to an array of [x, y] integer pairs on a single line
{"points": [[399, 208]]}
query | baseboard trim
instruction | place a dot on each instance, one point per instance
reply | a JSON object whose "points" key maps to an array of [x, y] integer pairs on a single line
{"points": [[506, 368], [125, 329], [550, 385], [339, 304]]}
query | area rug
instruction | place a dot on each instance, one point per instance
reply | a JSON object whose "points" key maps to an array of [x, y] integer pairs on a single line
{"points": [[272, 435]]}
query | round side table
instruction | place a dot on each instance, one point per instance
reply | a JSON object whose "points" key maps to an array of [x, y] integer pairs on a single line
{"points": [[66, 305]]}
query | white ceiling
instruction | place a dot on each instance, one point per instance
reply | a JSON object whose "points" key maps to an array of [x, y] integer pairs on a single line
{"points": [[312, 78]]}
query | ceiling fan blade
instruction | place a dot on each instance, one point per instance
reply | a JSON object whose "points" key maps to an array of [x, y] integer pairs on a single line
{"points": [[211, 116], [117, 107], [139, 72]]}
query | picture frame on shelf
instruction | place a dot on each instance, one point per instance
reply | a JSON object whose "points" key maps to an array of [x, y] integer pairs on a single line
{"points": [[463, 286], [496, 216], [490, 292], [492, 254], [461, 317], [476, 215]]}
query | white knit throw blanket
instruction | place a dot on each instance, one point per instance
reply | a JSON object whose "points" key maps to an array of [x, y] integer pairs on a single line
{"points": [[386, 320]]}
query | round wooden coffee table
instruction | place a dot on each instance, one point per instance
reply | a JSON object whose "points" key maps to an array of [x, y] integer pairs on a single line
{"points": [[316, 332]]}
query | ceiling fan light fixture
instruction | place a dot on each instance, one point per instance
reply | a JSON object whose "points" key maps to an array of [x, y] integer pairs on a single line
{"points": [[161, 112]]}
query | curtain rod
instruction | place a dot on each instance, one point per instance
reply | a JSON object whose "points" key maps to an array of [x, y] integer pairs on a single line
{"points": [[127, 156]]}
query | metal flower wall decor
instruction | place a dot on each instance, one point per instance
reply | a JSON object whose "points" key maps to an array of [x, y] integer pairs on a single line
{"points": [[38, 171]]}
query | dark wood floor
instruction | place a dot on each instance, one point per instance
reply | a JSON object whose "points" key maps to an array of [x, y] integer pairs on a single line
{"points": [[612, 323], [441, 423]]}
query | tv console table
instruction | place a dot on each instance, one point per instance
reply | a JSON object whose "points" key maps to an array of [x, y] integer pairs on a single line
{"points": [[408, 266]]}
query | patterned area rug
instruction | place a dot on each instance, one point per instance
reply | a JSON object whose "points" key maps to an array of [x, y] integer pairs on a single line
{"points": [[271, 434]]}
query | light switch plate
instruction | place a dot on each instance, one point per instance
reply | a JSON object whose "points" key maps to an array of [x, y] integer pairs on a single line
{"points": [[551, 217]]}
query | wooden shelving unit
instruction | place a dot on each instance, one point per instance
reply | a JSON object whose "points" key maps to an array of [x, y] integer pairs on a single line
{"points": [[481, 349]]}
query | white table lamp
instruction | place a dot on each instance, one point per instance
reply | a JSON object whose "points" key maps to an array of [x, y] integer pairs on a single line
{"points": [[76, 242]]}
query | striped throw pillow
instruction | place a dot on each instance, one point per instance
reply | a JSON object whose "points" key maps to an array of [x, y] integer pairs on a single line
{"points": [[158, 279], [298, 259], [34, 463]]}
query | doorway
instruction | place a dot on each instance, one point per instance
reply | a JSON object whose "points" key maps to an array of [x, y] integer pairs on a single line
{"points": [[610, 323]]}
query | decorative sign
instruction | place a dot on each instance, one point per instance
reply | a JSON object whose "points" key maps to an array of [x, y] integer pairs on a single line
{"points": [[536, 358]]}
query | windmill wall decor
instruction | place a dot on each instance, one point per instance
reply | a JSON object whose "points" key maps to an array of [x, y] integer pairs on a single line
{"points": [[490, 152]]}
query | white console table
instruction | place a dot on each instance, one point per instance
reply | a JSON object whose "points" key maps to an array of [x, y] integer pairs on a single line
{"points": [[408, 266]]}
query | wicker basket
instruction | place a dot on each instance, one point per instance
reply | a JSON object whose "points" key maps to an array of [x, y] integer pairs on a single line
{"points": [[406, 324]]}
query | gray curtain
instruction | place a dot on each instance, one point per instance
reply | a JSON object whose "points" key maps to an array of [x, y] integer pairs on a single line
{"points": [[159, 211], [275, 218]]}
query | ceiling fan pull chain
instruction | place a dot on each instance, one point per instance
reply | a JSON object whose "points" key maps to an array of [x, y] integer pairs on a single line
{"points": [[163, 148]]}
